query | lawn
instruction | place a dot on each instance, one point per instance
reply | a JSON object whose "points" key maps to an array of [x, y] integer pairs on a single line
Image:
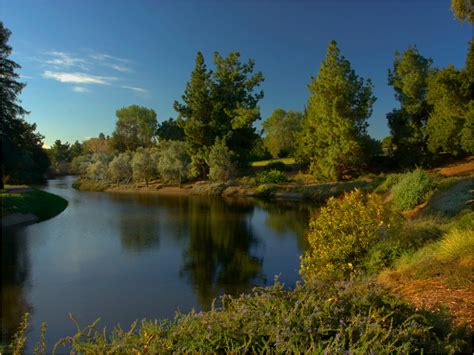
{"points": [[40, 203]]}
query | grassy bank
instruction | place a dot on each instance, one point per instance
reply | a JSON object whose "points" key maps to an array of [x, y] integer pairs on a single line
{"points": [[42, 204], [376, 279]]}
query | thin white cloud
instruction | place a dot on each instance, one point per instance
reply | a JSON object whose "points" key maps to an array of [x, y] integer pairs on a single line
{"points": [[136, 89], [62, 59], [80, 89], [25, 76], [104, 57], [78, 78], [120, 68], [110, 61]]}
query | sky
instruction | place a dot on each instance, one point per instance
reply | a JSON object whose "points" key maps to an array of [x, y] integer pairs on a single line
{"points": [[83, 60]]}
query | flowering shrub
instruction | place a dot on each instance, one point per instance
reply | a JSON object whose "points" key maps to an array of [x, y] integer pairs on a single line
{"points": [[341, 234]]}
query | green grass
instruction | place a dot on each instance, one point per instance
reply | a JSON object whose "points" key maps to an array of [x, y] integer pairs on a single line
{"points": [[451, 258], [42, 204], [263, 163]]}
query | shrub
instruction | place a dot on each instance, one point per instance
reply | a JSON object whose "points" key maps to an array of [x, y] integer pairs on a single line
{"points": [[390, 181], [265, 191], [348, 317], [174, 162], [144, 165], [270, 177], [341, 234], [120, 168], [411, 189], [221, 167]]}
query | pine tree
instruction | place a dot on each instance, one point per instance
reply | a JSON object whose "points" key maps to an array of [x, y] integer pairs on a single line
{"points": [[335, 122], [409, 78]]}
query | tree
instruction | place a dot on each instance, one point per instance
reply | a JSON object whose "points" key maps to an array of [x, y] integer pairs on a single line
{"points": [[174, 161], [449, 94], [281, 130], [135, 127], [221, 166], [335, 122], [170, 131], [235, 105], [463, 10], [409, 78], [97, 145], [144, 164], [220, 104], [120, 168], [23, 159], [76, 149]]}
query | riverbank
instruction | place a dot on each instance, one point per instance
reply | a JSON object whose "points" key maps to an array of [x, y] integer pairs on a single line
{"points": [[26, 205], [284, 191]]}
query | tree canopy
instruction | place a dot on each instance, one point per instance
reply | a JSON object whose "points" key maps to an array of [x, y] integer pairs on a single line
{"points": [[220, 104], [409, 78], [135, 127], [281, 130], [336, 116], [23, 159]]}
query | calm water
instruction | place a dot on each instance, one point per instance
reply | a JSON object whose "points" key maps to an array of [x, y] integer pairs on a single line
{"points": [[126, 256]]}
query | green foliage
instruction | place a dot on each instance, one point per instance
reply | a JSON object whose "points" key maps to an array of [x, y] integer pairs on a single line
{"points": [[411, 189], [336, 116], [144, 164], [120, 168], [450, 95], [23, 159], [406, 239], [42, 204], [389, 182], [463, 10], [135, 127], [170, 131], [281, 130], [347, 317], [174, 161], [341, 234], [272, 176], [85, 184], [221, 166], [220, 104], [409, 78], [450, 257], [265, 191]]}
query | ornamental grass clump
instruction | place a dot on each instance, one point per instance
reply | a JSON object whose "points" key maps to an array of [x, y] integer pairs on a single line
{"points": [[411, 189], [342, 233]]}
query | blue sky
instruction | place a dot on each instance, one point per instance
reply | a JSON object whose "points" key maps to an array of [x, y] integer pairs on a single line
{"points": [[83, 60]]}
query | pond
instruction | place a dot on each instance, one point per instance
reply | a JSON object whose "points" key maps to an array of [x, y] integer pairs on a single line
{"points": [[124, 256]]}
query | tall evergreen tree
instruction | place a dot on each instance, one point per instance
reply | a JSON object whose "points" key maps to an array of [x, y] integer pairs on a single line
{"points": [[23, 159], [195, 114], [335, 123], [409, 78], [220, 104]]}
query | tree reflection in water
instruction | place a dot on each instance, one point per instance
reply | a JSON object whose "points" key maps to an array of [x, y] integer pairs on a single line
{"points": [[15, 275], [218, 258]]}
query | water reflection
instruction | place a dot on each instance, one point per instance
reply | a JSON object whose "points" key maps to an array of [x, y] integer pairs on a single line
{"points": [[15, 273], [126, 256], [219, 256]]}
